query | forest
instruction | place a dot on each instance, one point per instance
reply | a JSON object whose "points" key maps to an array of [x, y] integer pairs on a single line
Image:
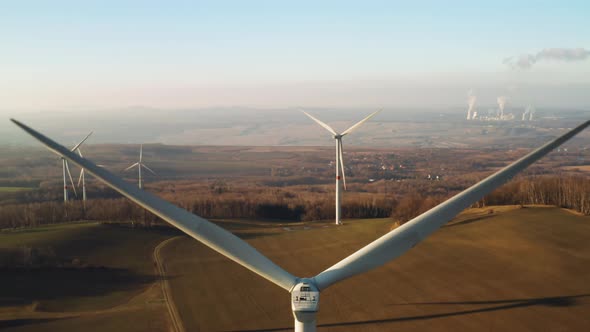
{"points": [[401, 203]]}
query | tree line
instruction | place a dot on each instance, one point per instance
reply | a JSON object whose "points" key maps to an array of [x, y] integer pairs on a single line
{"points": [[572, 192]]}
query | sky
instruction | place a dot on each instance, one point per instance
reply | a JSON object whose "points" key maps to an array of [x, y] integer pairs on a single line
{"points": [[84, 55]]}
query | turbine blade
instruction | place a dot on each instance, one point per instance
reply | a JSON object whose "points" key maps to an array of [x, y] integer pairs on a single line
{"points": [[82, 141], [81, 176], [140, 152], [320, 123], [403, 238], [342, 162], [200, 229], [144, 166], [71, 179], [130, 167], [356, 125]]}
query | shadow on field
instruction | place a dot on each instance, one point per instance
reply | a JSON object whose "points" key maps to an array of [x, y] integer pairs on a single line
{"points": [[557, 301], [29, 285], [26, 321], [252, 235], [470, 220]]}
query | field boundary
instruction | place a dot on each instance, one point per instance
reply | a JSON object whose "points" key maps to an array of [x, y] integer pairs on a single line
{"points": [[177, 325]]}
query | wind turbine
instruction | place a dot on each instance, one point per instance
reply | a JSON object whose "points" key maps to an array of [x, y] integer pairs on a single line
{"points": [[305, 292], [339, 157], [82, 178], [139, 165], [66, 169]]}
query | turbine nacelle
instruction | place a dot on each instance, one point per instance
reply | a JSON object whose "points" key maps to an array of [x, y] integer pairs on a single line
{"points": [[305, 303], [305, 296]]}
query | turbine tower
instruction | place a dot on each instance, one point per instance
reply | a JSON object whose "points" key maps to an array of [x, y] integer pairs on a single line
{"points": [[82, 179], [339, 157], [66, 169], [139, 165], [305, 292]]}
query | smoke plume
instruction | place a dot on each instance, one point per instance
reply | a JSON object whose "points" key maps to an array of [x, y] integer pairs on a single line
{"points": [[526, 61], [501, 104], [471, 99]]}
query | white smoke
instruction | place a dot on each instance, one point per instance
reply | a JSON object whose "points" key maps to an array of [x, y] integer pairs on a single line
{"points": [[528, 113], [501, 104], [471, 99], [526, 61]]}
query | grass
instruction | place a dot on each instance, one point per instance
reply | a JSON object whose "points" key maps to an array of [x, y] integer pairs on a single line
{"points": [[14, 189], [113, 272], [518, 269]]}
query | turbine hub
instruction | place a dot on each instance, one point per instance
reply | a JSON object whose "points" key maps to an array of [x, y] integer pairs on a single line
{"points": [[305, 300]]}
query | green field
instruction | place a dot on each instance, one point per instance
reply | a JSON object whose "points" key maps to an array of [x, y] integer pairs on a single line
{"points": [[525, 269], [83, 273], [14, 189]]}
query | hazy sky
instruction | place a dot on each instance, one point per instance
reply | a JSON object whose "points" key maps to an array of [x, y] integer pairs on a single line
{"points": [[96, 54]]}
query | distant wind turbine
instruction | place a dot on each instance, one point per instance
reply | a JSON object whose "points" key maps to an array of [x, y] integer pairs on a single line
{"points": [[339, 156], [139, 165], [82, 178], [66, 169]]}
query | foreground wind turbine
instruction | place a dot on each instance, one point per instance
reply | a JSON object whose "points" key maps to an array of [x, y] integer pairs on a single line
{"points": [[305, 292], [66, 169], [339, 157], [139, 165]]}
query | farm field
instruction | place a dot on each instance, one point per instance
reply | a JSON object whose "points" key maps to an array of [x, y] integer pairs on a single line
{"points": [[14, 189], [519, 270], [502, 268], [583, 168], [81, 276]]}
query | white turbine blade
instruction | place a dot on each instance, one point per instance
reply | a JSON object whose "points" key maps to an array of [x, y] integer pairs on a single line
{"points": [[130, 167], [321, 123], [81, 176], [71, 180], [403, 238], [82, 141], [356, 125], [144, 166], [82, 170], [140, 153], [202, 230], [342, 162]]}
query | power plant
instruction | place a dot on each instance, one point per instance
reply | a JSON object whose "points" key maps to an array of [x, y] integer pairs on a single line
{"points": [[496, 114], [529, 111]]}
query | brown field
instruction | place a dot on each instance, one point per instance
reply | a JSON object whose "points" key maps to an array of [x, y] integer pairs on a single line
{"points": [[581, 168], [523, 269], [113, 287]]}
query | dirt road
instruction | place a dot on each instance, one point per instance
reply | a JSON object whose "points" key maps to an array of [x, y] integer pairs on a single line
{"points": [[172, 310]]}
